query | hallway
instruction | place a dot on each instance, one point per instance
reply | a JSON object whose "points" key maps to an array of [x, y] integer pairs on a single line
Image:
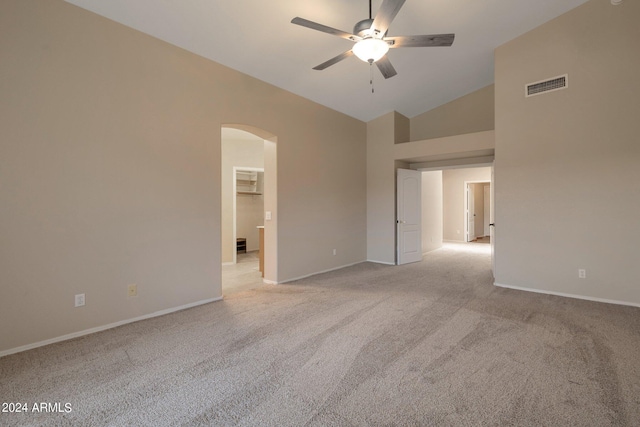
{"points": [[242, 276]]}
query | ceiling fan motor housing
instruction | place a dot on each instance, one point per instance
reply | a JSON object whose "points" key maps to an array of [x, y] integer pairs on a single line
{"points": [[363, 29]]}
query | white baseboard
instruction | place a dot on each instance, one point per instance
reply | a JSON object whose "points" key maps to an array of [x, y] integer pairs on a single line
{"points": [[431, 250], [320, 272], [104, 327], [566, 295], [381, 262], [271, 282], [228, 263]]}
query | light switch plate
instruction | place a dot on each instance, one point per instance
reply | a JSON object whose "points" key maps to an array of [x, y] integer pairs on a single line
{"points": [[79, 300], [267, 216]]}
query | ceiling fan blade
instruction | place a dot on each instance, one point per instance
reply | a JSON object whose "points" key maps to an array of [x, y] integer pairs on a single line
{"points": [[385, 67], [333, 60], [421, 41], [388, 10], [319, 27]]}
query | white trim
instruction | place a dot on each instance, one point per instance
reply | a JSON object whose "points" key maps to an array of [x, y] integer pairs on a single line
{"points": [[431, 250], [104, 327], [228, 263], [562, 294], [269, 282], [320, 272], [380, 262], [440, 165]]}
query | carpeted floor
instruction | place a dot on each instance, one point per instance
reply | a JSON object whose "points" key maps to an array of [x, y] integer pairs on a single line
{"points": [[431, 343]]}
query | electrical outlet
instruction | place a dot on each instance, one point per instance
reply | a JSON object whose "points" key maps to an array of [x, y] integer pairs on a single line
{"points": [[79, 301], [132, 291], [582, 273], [334, 251]]}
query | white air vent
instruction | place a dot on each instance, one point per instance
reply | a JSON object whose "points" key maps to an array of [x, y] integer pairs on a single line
{"points": [[544, 86]]}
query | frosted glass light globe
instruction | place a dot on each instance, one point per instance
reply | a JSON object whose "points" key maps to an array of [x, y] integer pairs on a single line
{"points": [[370, 49]]}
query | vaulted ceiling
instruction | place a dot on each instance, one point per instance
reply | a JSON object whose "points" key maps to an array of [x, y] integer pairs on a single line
{"points": [[257, 38]]}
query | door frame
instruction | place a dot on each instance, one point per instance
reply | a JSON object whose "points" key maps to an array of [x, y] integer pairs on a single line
{"points": [[270, 200], [492, 218], [487, 209], [470, 221]]}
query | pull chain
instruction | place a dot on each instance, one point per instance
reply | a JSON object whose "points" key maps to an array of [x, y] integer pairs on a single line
{"points": [[371, 76]]}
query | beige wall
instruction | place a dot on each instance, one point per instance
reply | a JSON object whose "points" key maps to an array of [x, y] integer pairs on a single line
{"points": [[239, 153], [382, 134], [473, 112], [454, 187], [567, 162], [271, 205], [110, 173], [431, 210]]}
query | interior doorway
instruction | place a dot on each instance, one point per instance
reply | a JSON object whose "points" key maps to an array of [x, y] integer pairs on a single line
{"points": [[445, 205], [477, 211], [248, 208]]}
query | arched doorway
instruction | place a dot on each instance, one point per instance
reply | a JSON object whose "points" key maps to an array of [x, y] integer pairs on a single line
{"points": [[249, 183]]}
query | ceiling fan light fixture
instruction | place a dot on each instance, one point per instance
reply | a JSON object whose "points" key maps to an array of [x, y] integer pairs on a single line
{"points": [[370, 49]]}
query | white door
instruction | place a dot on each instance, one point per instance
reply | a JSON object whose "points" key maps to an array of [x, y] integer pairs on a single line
{"points": [[409, 206], [471, 216]]}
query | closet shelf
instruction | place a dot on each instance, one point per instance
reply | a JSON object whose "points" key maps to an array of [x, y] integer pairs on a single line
{"points": [[246, 181], [250, 193]]}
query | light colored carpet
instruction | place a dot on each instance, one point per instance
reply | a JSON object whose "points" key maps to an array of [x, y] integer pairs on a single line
{"points": [[431, 343]]}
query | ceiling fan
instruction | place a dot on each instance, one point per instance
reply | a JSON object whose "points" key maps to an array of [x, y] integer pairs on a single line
{"points": [[371, 41]]}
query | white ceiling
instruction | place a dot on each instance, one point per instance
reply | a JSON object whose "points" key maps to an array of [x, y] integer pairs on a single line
{"points": [[257, 38]]}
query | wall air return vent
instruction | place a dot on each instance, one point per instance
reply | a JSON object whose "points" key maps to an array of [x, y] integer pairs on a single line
{"points": [[544, 86]]}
